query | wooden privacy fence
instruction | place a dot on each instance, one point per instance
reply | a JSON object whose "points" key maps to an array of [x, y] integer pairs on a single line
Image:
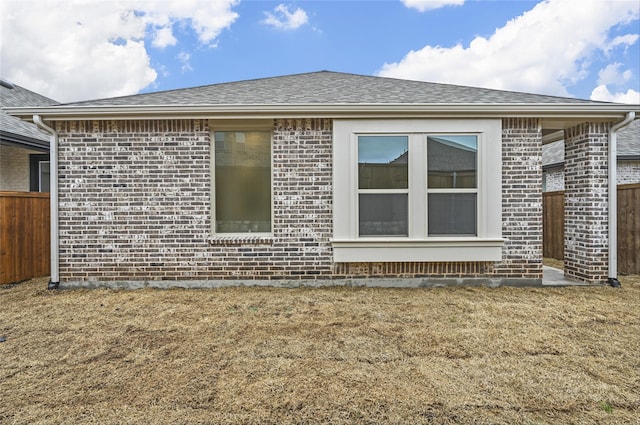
{"points": [[24, 236], [628, 227], [553, 225]]}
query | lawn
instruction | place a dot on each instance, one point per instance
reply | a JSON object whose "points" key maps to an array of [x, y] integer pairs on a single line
{"points": [[333, 355]]}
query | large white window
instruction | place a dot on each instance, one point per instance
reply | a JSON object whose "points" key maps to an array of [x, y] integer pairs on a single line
{"points": [[241, 180], [417, 190]]}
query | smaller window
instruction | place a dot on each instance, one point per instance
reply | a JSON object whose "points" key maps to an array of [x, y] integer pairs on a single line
{"points": [[242, 182], [45, 176], [39, 173]]}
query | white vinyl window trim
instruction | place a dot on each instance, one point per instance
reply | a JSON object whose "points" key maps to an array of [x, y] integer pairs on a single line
{"points": [[486, 245]]}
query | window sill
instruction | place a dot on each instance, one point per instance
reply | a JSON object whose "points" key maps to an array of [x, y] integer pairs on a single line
{"points": [[402, 250], [230, 240]]}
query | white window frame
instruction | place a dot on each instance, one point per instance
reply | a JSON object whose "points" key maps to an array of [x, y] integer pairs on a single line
{"points": [[348, 246], [239, 126]]}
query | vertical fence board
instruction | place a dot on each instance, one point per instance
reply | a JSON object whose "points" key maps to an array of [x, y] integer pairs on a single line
{"points": [[629, 228], [5, 255], [24, 236], [553, 224]]}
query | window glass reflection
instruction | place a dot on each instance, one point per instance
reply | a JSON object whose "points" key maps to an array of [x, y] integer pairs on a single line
{"points": [[383, 162], [452, 162]]}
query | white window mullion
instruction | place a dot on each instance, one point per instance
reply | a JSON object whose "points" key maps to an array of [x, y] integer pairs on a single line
{"points": [[452, 190], [417, 185], [381, 191], [482, 184], [352, 159]]}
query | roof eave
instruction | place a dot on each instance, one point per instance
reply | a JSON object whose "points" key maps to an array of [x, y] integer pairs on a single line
{"points": [[340, 110], [9, 138], [553, 165]]}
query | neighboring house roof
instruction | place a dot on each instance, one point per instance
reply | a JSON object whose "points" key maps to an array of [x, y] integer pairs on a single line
{"points": [[329, 94], [553, 154], [448, 156], [13, 130], [629, 141], [628, 147]]}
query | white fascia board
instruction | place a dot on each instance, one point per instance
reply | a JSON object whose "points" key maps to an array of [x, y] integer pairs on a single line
{"points": [[604, 111]]}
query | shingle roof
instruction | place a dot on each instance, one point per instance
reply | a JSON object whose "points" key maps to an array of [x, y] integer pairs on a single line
{"points": [[13, 128], [628, 146], [629, 140], [326, 87], [553, 153]]}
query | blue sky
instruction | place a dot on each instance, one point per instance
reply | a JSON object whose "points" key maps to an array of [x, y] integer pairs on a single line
{"points": [[81, 49], [346, 36]]}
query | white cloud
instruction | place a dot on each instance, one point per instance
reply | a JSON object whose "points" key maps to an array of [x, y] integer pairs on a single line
{"points": [[80, 49], [611, 75], [164, 37], [424, 5], [185, 59], [602, 93], [627, 40], [284, 19], [544, 51]]}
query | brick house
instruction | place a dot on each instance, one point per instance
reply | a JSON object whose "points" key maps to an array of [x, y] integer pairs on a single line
{"points": [[628, 159], [24, 149], [324, 178]]}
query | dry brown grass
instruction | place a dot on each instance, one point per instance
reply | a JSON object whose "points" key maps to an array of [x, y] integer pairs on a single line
{"points": [[552, 262], [335, 355]]}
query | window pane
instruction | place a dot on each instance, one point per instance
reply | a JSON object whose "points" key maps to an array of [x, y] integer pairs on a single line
{"points": [[452, 214], [243, 181], [45, 176], [451, 161], [383, 162], [384, 214]]}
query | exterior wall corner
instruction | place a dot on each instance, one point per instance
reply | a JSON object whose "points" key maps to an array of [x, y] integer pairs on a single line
{"points": [[586, 202]]}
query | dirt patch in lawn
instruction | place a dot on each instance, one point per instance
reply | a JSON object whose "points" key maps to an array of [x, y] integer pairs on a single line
{"points": [[334, 355]]}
